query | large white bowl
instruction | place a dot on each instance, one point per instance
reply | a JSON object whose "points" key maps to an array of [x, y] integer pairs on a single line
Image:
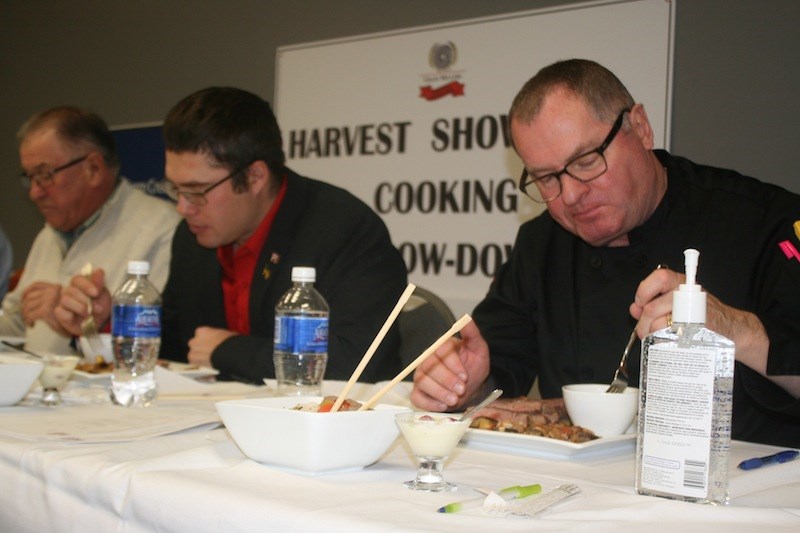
{"points": [[16, 377], [269, 431], [606, 414]]}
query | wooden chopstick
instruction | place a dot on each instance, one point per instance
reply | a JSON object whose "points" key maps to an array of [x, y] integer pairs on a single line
{"points": [[460, 323], [374, 346]]}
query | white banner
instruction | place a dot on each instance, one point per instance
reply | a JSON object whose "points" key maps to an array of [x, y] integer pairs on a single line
{"points": [[414, 123]]}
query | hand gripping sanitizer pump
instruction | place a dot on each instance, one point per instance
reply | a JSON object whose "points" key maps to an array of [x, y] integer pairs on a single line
{"points": [[686, 383]]}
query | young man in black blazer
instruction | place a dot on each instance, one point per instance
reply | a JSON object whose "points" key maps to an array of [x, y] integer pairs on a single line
{"points": [[247, 221]]}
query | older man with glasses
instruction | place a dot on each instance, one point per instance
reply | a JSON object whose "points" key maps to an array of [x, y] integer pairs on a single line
{"points": [[92, 216], [583, 274]]}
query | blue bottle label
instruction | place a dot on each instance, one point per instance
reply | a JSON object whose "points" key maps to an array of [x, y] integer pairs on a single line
{"points": [[136, 321], [299, 334]]}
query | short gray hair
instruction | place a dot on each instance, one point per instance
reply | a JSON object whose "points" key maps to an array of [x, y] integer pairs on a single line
{"points": [[76, 126], [596, 85]]}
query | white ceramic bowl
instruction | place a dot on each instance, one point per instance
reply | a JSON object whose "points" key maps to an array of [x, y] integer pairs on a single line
{"points": [[269, 431], [16, 377], [106, 351], [606, 414]]}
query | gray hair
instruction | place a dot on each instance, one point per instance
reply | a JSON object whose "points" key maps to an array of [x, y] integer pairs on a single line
{"points": [[76, 126], [592, 82]]}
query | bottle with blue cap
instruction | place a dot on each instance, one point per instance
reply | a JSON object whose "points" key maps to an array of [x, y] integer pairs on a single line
{"points": [[686, 384]]}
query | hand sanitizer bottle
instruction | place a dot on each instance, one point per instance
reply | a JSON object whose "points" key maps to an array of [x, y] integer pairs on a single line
{"points": [[686, 384]]}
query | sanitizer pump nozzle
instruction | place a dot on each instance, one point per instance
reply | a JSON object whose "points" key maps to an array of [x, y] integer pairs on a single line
{"points": [[689, 301]]}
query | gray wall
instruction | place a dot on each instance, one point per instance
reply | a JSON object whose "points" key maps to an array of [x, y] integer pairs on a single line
{"points": [[736, 81]]}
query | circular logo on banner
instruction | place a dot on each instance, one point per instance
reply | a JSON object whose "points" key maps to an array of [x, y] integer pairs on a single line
{"points": [[442, 55]]}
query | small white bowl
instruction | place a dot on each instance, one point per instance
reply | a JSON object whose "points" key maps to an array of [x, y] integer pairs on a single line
{"points": [[605, 414], [269, 431], [16, 377], [106, 351]]}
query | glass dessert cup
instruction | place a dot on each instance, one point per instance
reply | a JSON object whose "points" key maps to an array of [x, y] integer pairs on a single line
{"points": [[55, 374], [432, 438]]}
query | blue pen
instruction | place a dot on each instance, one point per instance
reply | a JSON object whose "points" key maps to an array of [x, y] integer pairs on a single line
{"points": [[758, 462]]}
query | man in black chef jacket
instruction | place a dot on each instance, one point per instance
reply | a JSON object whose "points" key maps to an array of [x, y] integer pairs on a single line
{"points": [[560, 309]]}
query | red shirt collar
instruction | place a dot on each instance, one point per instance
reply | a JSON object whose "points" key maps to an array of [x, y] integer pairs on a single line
{"points": [[238, 269]]}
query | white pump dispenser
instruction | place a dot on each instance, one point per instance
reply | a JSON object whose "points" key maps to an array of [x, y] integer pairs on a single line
{"points": [[689, 301]]}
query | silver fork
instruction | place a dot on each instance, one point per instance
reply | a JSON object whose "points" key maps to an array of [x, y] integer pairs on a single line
{"points": [[619, 384], [620, 381], [88, 326]]}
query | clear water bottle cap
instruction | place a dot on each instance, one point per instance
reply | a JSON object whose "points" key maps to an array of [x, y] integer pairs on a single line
{"points": [[304, 274], [139, 267]]}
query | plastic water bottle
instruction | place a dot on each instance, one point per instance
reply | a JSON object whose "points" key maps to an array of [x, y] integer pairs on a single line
{"points": [[301, 336], [136, 337]]}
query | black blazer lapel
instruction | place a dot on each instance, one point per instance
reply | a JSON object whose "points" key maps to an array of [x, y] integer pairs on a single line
{"points": [[271, 271]]}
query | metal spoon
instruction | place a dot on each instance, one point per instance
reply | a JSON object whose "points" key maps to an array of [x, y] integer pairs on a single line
{"points": [[489, 399], [20, 348]]}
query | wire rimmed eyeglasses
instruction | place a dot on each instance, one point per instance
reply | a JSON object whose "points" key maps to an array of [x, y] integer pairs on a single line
{"points": [[197, 198], [44, 178], [584, 168]]}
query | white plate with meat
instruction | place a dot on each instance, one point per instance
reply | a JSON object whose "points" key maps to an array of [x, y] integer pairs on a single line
{"points": [[518, 426]]}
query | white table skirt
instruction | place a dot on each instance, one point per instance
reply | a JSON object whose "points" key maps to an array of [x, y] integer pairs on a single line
{"points": [[198, 480]]}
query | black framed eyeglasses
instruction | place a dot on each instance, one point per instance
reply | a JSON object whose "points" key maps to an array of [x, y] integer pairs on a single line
{"points": [[44, 178], [584, 168], [198, 198]]}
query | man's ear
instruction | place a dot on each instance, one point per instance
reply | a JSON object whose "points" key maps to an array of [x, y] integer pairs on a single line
{"points": [[258, 176], [640, 125], [96, 167]]}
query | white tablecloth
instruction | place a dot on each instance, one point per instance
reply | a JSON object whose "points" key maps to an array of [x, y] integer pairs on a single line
{"points": [[198, 480]]}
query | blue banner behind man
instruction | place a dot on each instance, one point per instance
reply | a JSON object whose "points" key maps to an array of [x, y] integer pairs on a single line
{"points": [[141, 155]]}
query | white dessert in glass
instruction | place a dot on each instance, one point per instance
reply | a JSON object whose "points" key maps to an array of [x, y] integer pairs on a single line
{"points": [[432, 437], [55, 374]]}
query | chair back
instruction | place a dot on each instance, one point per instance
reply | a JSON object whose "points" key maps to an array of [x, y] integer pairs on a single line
{"points": [[424, 318]]}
